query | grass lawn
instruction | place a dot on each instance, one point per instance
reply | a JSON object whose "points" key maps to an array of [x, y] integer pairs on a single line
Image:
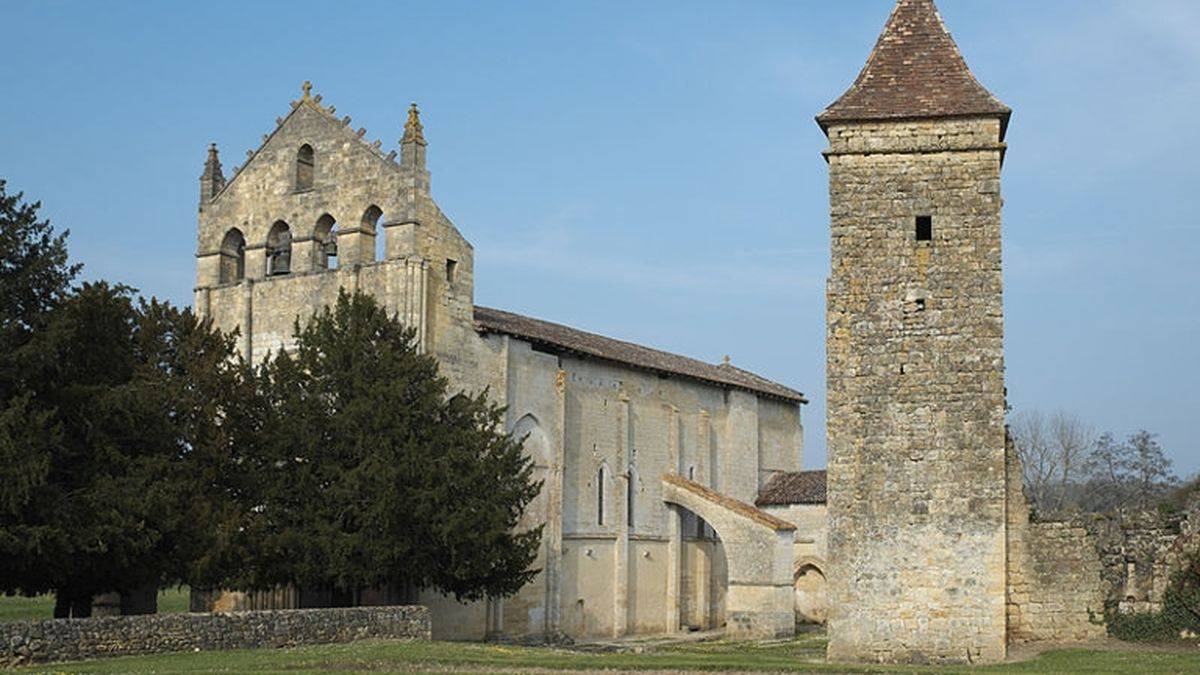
{"points": [[17, 608], [801, 655]]}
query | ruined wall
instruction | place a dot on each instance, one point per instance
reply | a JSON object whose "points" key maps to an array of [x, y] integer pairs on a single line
{"points": [[1055, 587], [1139, 551], [916, 393]]}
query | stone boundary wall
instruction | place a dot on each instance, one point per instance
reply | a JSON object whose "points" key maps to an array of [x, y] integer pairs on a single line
{"points": [[1055, 591], [27, 642], [1055, 576]]}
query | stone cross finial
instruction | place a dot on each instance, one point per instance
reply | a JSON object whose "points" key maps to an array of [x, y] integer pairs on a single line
{"points": [[212, 179], [307, 89], [212, 164], [413, 131]]}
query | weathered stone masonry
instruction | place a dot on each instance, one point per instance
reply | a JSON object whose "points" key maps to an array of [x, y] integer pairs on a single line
{"points": [[25, 642], [932, 556], [916, 393], [917, 479]]}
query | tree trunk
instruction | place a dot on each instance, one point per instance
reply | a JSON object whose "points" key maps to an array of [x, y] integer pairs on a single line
{"points": [[62, 606], [81, 607], [71, 605]]}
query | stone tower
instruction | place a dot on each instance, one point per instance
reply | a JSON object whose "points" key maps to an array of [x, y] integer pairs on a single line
{"points": [[915, 355]]}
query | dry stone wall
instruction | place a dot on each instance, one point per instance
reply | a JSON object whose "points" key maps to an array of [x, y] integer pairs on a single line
{"points": [[916, 393], [25, 642]]}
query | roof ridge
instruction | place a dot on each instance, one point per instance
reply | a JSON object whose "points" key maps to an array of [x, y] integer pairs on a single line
{"points": [[313, 103], [602, 346]]}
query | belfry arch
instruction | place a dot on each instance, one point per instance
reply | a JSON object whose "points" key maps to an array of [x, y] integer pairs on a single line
{"points": [[759, 552]]}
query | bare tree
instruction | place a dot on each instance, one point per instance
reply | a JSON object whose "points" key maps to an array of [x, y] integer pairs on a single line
{"points": [[1071, 439], [1038, 464], [1053, 451]]}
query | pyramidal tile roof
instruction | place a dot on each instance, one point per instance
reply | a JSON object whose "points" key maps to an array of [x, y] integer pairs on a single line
{"points": [[915, 71]]}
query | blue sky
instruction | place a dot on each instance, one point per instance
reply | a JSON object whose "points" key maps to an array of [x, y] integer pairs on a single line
{"points": [[651, 171]]}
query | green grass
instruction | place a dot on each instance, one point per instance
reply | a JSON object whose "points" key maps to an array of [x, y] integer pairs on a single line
{"points": [[801, 655], [17, 608]]}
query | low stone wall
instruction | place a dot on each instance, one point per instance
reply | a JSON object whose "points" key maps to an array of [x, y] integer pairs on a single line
{"points": [[24, 642]]}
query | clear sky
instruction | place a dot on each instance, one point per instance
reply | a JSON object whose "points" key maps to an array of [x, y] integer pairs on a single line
{"points": [[651, 170]]}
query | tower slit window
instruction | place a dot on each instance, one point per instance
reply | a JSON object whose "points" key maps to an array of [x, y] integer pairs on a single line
{"points": [[924, 228], [600, 496]]}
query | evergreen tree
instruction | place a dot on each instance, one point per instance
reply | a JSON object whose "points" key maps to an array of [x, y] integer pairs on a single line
{"points": [[371, 476], [34, 276], [34, 273], [133, 485]]}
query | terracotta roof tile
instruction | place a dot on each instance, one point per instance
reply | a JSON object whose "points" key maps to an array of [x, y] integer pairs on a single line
{"points": [[568, 339], [801, 487], [915, 71]]}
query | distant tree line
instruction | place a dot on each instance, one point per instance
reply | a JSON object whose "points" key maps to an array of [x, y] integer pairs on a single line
{"points": [[138, 449], [1069, 468]]}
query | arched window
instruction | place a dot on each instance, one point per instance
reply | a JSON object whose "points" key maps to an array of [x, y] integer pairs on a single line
{"points": [[279, 249], [631, 497], [537, 448], [600, 495], [370, 232], [233, 257], [325, 252], [304, 167]]}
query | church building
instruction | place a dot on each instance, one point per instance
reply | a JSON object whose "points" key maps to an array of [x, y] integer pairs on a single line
{"points": [[650, 460]]}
